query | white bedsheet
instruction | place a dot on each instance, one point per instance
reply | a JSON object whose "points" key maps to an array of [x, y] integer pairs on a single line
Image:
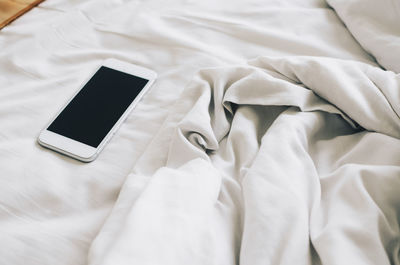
{"points": [[52, 207], [262, 170]]}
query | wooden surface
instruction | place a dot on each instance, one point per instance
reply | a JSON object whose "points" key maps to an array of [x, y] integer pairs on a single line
{"points": [[11, 9]]}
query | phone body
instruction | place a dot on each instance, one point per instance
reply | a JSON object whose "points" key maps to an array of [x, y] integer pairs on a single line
{"points": [[87, 122]]}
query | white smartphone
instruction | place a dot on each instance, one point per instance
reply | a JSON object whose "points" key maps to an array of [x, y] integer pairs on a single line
{"points": [[87, 122]]}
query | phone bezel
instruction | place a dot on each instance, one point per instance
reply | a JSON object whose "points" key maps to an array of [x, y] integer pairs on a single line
{"points": [[84, 152]]}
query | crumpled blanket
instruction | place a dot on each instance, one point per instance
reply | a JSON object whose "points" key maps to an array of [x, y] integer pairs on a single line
{"points": [[292, 160]]}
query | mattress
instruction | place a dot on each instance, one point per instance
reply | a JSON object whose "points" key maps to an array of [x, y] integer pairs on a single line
{"points": [[271, 135]]}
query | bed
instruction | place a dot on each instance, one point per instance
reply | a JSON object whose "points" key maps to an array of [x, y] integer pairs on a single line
{"points": [[271, 136]]}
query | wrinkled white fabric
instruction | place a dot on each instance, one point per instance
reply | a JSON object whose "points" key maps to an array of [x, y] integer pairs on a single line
{"points": [[375, 24], [52, 207], [268, 164]]}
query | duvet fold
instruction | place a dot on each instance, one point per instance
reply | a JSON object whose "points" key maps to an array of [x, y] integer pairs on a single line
{"points": [[292, 160]]}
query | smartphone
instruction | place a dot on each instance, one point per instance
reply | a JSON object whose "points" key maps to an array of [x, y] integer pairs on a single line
{"points": [[87, 122]]}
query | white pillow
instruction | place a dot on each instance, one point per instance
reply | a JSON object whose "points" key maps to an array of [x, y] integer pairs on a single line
{"points": [[376, 26]]}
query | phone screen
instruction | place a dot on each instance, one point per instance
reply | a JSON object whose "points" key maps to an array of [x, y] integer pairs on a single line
{"points": [[92, 113]]}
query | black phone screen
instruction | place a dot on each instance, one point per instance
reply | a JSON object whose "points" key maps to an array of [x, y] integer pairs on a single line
{"points": [[92, 113]]}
